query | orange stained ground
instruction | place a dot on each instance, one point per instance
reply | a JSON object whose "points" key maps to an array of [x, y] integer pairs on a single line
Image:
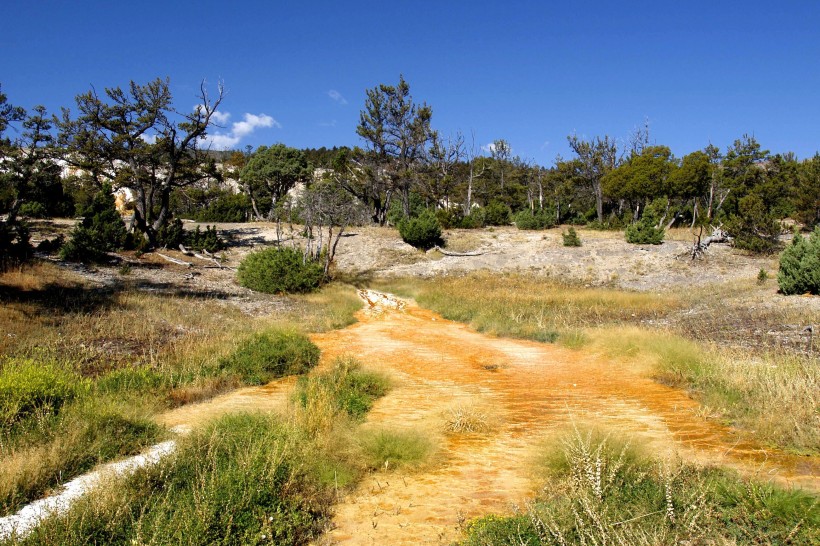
{"points": [[528, 390]]}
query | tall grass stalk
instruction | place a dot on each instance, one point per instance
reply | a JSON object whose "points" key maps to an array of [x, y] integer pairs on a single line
{"points": [[599, 490]]}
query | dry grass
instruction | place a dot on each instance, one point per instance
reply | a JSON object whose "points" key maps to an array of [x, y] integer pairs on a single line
{"points": [[467, 418], [146, 350], [529, 306], [464, 240], [771, 396], [745, 314]]}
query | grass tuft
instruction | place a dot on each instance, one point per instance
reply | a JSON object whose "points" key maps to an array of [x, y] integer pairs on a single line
{"points": [[383, 449], [346, 391]]}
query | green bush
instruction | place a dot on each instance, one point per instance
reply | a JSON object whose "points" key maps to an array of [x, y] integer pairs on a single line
{"points": [[31, 388], [101, 230], [226, 207], [571, 237], [539, 219], [800, 265], [450, 218], [474, 220], [204, 240], [280, 270], [171, 235], [269, 355], [754, 228], [422, 231], [33, 209], [644, 232], [496, 214], [15, 247]]}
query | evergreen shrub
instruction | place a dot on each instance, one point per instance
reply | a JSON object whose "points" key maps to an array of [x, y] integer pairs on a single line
{"points": [[422, 231], [101, 230], [280, 270], [800, 266], [644, 232], [539, 219], [496, 214], [571, 237]]}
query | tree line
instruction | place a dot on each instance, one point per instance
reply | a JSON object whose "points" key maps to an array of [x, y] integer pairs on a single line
{"points": [[136, 138]]}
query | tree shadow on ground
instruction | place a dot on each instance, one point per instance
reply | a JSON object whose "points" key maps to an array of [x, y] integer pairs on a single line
{"points": [[60, 298]]}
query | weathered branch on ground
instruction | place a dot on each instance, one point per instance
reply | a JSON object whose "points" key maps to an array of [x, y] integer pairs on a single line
{"points": [[210, 259], [174, 260], [458, 254], [699, 247]]}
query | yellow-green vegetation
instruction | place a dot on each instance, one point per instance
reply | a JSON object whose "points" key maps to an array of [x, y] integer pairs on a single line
{"points": [[241, 480], [386, 449], [84, 369], [330, 308], [346, 389], [247, 479], [602, 491], [527, 306]]}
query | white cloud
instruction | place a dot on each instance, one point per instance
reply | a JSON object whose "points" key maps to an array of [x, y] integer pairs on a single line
{"points": [[545, 145], [150, 139], [335, 95], [221, 118], [239, 130], [251, 123], [489, 148]]}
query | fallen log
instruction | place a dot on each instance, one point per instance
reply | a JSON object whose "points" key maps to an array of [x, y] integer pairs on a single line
{"points": [[699, 247], [459, 254], [174, 260], [210, 259]]}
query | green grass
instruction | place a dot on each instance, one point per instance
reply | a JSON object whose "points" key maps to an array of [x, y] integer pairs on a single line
{"points": [[391, 449], [244, 479], [241, 480], [344, 391], [268, 355], [601, 491], [87, 432]]}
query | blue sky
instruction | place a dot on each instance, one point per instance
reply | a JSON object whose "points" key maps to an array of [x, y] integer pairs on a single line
{"points": [[528, 72]]}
